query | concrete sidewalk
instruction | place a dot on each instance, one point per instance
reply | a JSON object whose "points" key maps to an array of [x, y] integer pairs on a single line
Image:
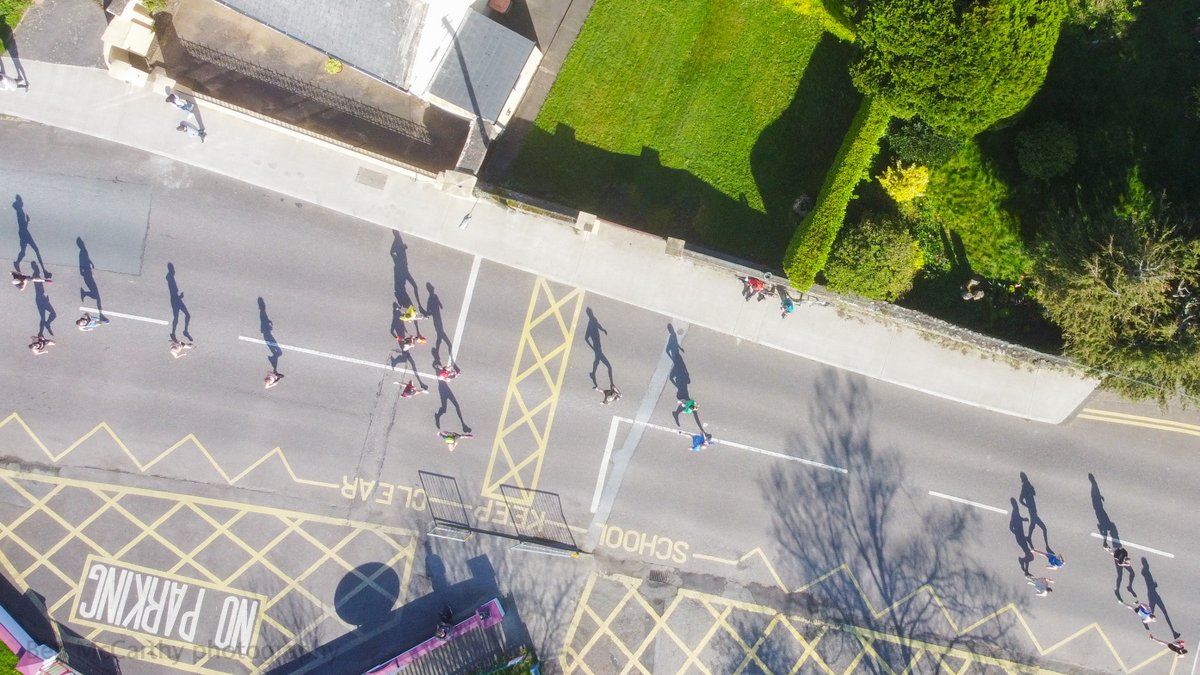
{"points": [[613, 261]]}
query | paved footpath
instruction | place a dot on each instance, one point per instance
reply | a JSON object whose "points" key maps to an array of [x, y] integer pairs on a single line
{"points": [[612, 261]]}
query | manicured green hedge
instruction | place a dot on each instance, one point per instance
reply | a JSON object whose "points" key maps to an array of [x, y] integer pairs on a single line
{"points": [[811, 243]]}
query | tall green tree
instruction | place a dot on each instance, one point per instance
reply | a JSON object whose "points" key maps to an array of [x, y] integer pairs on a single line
{"points": [[962, 66], [1126, 293]]}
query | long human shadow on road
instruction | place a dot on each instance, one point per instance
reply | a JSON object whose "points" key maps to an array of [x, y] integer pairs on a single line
{"points": [[87, 273], [1154, 599], [1109, 537], [434, 307], [1016, 525], [446, 394], [1028, 499], [10, 45], [266, 327], [402, 278], [679, 373], [24, 238], [178, 308], [894, 551], [591, 337], [46, 313]]}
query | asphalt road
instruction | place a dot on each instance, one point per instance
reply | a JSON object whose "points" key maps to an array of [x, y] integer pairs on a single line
{"points": [[817, 490]]}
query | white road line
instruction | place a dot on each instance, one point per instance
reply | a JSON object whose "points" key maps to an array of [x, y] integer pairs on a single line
{"points": [[119, 315], [335, 357], [462, 312], [968, 502], [749, 448], [1137, 546], [608, 448]]}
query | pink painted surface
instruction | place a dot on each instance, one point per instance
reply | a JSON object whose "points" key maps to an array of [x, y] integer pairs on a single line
{"points": [[495, 615]]}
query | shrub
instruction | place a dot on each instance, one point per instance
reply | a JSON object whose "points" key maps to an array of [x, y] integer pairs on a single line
{"points": [[1047, 150], [877, 259], [905, 183], [154, 6], [915, 141], [1109, 16], [810, 244]]}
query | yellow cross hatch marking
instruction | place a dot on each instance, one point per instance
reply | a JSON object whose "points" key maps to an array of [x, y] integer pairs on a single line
{"points": [[37, 496], [520, 445], [608, 642]]}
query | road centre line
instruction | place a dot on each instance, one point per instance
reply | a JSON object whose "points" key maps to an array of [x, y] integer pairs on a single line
{"points": [[1137, 546], [968, 502], [335, 357], [119, 315], [1139, 421], [462, 312]]}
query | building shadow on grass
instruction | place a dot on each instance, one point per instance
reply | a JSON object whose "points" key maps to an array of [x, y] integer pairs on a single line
{"points": [[790, 158], [897, 570]]}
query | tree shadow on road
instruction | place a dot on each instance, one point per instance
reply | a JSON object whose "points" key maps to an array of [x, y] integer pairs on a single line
{"points": [[895, 569]]}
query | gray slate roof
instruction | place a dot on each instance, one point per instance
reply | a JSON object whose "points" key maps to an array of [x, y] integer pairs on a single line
{"points": [[378, 37], [482, 66]]}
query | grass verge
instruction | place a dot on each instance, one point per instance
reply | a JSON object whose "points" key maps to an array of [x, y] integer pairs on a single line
{"points": [[702, 120]]}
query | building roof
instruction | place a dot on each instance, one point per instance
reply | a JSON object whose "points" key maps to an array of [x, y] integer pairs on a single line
{"points": [[481, 67], [380, 38]]}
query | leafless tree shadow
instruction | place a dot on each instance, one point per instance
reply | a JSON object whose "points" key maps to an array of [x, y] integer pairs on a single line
{"points": [[894, 548]]}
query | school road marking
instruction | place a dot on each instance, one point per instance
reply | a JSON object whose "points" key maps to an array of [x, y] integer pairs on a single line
{"points": [[612, 436]]}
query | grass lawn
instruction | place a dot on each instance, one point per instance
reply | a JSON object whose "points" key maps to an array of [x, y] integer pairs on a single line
{"points": [[8, 661], [11, 12], [702, 120]]}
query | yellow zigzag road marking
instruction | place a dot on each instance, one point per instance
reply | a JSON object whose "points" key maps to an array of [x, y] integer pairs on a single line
{"points": [[720, 609], [934, 598], [1139, 421], [144, 466], [525, 472]]}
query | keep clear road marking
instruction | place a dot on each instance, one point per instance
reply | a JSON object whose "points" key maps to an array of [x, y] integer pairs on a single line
{"points": [[462, 312], [134, 317], [1138, 546], [327, 355], [612, 436], [968, 502]]}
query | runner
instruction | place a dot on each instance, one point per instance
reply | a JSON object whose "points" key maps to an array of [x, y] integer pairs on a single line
{"points": [[687, 407], [410, 390], [1041, 585], [40, 345], [447, 373], [180, 348], [699, 441], [271, 379], [610, 395], [1143, 611], [1176, 646], [87, 322], [1053, 560], [411, 314], [22, 280], [409, 341], [451, 438]]}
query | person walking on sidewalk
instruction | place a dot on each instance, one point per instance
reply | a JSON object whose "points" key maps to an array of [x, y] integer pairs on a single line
{"points": [[179, 102], [9, 84], [1041, 585], [1053, 560], [1176, 646], [610, 395], [192, 130], [1143, 611]]}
